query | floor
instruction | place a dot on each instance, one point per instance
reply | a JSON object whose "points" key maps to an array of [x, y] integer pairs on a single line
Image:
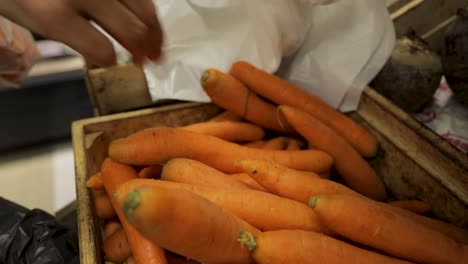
{"points": [[39, 177]]}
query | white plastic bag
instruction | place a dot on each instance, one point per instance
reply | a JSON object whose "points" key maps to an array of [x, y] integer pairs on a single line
{"points": [[330, 50], [17, 53]]}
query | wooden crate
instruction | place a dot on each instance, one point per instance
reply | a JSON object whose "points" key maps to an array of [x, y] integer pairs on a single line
{"points": [[413, 162]]}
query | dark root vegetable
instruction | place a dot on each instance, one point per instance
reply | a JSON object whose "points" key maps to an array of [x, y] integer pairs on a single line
{"points": [[455, 56], [411, 75]]}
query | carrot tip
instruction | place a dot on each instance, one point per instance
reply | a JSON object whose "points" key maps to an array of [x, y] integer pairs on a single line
{"points": [[313, 201], [131, 203], [247, 239], [205, 76]]}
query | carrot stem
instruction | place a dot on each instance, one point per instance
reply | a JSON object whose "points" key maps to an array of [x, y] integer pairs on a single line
{"points": [[247, 239]]}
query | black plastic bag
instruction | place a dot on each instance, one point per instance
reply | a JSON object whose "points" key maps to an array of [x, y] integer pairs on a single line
{"points": [[34, 236]]}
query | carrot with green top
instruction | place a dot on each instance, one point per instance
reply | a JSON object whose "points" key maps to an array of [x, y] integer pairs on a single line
{"points": [[262, 210], [283, 92], [370, 223], [158, 145], [356, 172], [230, 94], [298, 246], [228, 130], [295, 185], [185, 223], [114, 175]]}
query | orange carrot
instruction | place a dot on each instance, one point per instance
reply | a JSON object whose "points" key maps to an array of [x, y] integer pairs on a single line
{"points": [[228, 130], [153, 171], [185, 223], [226, 116], [255, 144], [298, 246], [116, 247], [110, 227], [176, 259], [290, 184], [95, 182], [247, 180], [282, 92], [277, 143], [158, 145], [230, 94], [415, 206], [325, 175], [144, 251], [355, 171], [103, 205], [262, 210], [452, 231], [194, 172], [295, 144], [369, 223]]}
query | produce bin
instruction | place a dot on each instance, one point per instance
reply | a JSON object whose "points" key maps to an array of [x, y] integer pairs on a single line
{"points": [[413, 162]]}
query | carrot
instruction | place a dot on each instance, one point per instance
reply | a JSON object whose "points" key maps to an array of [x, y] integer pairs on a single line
{"points": [[262, 210], [95, 182], [153, 171], [226, 116], [110, 227], [295, 144], [255, 144], [247, 180], [103, 205], [369, 223], [185, 223], [452, 231], [228, 130], [325, 175], [116, 248], [230, 94], [298, 246], [282, 92], [277, 143], [176, 259], [194, 172], [158, 145], [144, 251], [355, 171], [290, 184], [415, 206]]}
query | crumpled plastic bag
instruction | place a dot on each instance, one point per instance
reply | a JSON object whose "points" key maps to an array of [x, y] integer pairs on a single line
{"points": [[18, 53], [34, 236], [332, 49]]}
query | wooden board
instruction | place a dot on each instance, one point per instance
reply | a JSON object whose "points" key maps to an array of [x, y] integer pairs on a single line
{"points": [[413, 162]]}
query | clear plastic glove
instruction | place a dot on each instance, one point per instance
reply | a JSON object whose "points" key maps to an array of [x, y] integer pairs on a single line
{"points": [[133, 23], [17, 53]]}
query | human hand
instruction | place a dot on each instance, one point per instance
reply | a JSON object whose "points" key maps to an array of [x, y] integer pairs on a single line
{"points": [[133, 23]]}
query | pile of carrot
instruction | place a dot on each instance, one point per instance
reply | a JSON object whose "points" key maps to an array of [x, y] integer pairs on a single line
{"points": [[279, 176]]}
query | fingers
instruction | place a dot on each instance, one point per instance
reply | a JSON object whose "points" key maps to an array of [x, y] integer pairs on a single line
{"points": [[146, 12], [126, 27], [81, 36]]}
